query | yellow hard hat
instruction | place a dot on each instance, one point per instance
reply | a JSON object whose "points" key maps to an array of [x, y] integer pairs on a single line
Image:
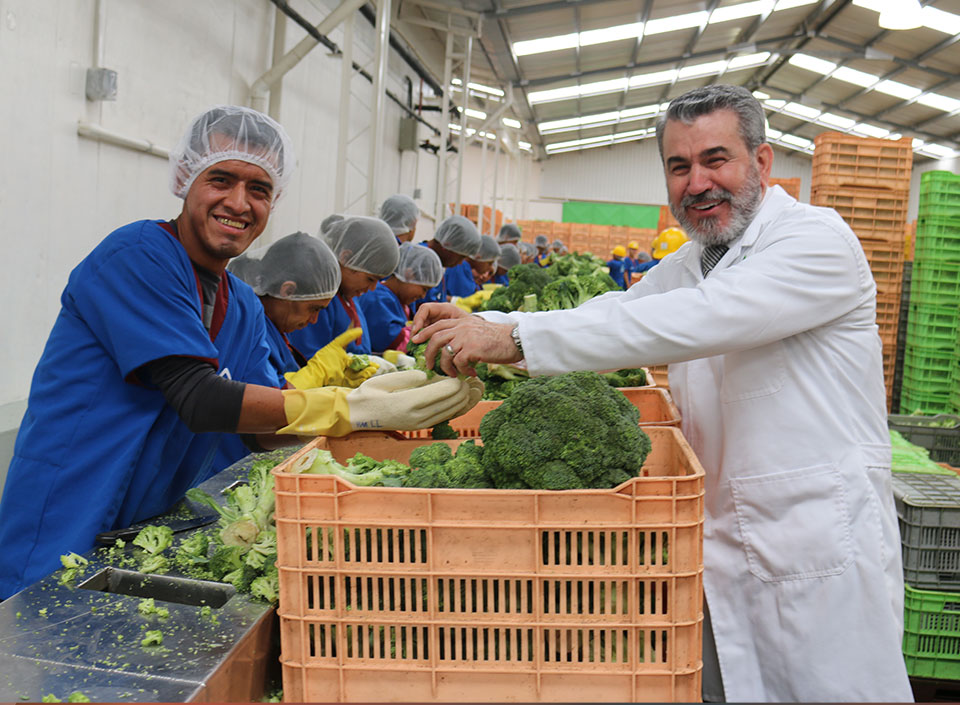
{"points": [[668, 241], [619, 251], [633, 245]]}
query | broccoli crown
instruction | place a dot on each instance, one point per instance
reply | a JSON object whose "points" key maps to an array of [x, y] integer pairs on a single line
{"points": [[562, 293], [434, 454], [524, 279], [443, 431], [466, 469], [428, 476], [563, 432], [630, 377], [416, 351], [154, 539]]}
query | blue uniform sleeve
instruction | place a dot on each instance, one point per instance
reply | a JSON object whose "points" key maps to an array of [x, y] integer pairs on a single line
{"points": [[459, 280], [141, 301], [385, 316]]}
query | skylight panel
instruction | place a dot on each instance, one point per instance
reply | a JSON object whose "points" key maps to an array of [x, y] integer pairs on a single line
{"points": [[744, 9], [857, 78], [479, 114], [941, 102], [611, 34], [545, 44], [708, 69], [510, 122], [938, 151], [671, 24], [801, 142], [653, 79], [554, 94], [801, 111], [812, 63], [870, 130], [748, 60], [836, 121], [939, 20], [790, 4], [897, 89]]}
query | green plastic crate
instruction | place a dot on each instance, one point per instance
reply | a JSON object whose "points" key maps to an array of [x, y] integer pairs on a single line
{"points": [[939, 435], [914, 401], [931, 633]]}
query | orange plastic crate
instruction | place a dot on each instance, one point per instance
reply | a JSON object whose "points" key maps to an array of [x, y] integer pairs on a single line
{"points": [[416, 595], [873, 214], [845, 160], [791, 186], [655, 405], [886, 264]]}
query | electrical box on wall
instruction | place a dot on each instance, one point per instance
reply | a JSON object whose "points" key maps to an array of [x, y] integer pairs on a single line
{"points": [[408, 134], [101, 84]]}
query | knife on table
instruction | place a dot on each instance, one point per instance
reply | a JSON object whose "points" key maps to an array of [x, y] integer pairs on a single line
{"points": [[109, 538]]}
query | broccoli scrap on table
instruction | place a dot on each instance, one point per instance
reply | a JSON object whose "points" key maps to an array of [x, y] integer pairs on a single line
{"points": [[154, 540], [153, 637], [73, 565]]}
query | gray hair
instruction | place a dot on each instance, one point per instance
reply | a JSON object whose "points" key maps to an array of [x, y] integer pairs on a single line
{"points": [[703, 101]]}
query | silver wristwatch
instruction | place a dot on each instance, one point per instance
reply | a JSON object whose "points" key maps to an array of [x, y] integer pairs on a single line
{"points": [[515, 336]]}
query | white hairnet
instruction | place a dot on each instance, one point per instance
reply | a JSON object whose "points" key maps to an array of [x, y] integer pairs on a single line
{"points": [[489, 250], [458, 234], [541, 241], [558, 244], [227, 132], [328, 222], [400, 213], [365, 244], [419, 265], [527, 248], [509, 256], [509, 233], [299, 258]]}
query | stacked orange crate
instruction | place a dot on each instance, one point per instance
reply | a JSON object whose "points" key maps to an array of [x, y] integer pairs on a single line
{"points": [[666, 219], [526, 227], [561, 232], [619, 235], [867, 181], [579, 237], [909, 238], [642, 236], [540, 227], [600, 240], [791, 186]]}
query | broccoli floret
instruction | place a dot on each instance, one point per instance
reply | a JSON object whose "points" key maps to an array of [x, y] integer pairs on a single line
{"points": [[225, 560], [524, 279], [154, 539], [192, 552], [153, 637], [466, 469], [429, 476], [559, 432], [443, 431], [264, 551], [73, 565], [630, 377], [562, 293], [358, 362], [416, 351], [434, 454], [499, 381], [266, 587]]}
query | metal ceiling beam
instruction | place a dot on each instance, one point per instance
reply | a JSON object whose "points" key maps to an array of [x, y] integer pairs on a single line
{"points": [[501, 13], [644, 16], [691, 45]]}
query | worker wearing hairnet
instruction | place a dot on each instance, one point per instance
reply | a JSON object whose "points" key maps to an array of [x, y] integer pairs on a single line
{"points": [[542, 243], [400, 213], [509, 258], [387, 308], [367, 251], [509, 234], [156, 346], [467, 277], [456, 239], [617, 267], [767, 320], [328, 223], [528, 251]]}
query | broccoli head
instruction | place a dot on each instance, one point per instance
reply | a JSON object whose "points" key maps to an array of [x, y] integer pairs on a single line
{"points": [[465, 469], [630, 377], [565, 432]]}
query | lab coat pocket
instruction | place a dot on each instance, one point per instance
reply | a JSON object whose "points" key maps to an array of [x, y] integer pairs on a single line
{"points": [[796, 524], [753, 373]]}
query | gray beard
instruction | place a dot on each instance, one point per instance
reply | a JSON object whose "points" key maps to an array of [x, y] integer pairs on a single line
{"points": [[743, 208]]}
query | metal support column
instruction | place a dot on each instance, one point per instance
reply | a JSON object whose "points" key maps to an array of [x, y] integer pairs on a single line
{"points": [[496, 179], [279, 47], [343, 128], [376, 106], [463, 121], [506, 188], [483, 177], [440, 208]]}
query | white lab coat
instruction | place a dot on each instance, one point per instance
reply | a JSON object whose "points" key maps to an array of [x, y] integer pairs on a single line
{"points": [[775, 363]]}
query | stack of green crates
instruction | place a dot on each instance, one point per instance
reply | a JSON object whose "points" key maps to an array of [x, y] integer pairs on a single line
{"points": [[927, 497], [930, 379]]}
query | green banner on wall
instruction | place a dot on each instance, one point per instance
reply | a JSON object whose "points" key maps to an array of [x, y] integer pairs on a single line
{"points": [[626, 214]]}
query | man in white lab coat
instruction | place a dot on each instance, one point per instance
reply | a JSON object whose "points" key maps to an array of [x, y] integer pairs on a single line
{"points": [[767, 319]]}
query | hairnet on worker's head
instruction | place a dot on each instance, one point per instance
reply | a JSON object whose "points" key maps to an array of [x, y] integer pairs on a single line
{"points": [[509, 233], [489, 250], [459, 235], [299, 258], [557, 244], [541, 241], [509, 256], [328, 222], [365, 244], [419, 265], [527, 248], [229, 132], [400, 213]]}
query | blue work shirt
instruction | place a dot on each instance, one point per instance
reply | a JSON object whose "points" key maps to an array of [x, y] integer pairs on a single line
{"points": [[99, 448], [331, 322], [386, 316], [619, 273], [500, 279], [459, 280], [644, 266]]}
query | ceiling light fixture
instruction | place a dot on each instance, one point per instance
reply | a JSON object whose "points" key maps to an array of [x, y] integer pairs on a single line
{"points": [[900, 14]]}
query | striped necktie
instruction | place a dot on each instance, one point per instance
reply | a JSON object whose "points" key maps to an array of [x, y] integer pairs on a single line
{"points": [[711, 255]]}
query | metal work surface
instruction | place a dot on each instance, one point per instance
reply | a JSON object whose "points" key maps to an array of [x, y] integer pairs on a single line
{"points": [[217, 645]]}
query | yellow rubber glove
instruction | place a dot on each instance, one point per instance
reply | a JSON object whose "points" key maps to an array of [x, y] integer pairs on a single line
{"points": [[328, 366], [354, 378], [402, 401]]}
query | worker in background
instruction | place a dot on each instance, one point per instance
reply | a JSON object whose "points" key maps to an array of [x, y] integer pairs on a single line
{"points": [[367, 251], [509, 258], [454, 240], [294, 278], [328, 222], [666, 243], [558, 248], [543, 250], [387, 308], [617, 266], [509, 234], [468, 276], [400, 213], [634, 258], [767, 319], [528, 251], [157, 348]]}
